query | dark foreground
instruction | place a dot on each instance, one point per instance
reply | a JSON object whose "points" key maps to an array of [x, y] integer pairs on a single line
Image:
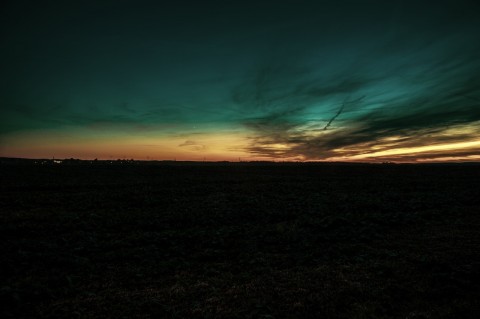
{"points": [[232, 241]]}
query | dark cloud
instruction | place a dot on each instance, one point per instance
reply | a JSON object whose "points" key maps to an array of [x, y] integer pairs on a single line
{"points": [[448, 97]]}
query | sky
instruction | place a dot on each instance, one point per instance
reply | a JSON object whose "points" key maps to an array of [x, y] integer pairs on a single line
{"points": [[363, 80]]}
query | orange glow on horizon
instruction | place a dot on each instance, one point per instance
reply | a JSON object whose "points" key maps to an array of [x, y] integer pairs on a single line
{"points": [[219, 146]]}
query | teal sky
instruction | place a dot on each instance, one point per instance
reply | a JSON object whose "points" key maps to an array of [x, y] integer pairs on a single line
{"points": [[309, 80]]}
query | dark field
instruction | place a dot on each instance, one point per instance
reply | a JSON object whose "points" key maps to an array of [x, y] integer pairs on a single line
{"points": [[240, 241]]}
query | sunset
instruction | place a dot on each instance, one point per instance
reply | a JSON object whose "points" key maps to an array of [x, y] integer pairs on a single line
{"points": [[308, 81], [231, 159]]}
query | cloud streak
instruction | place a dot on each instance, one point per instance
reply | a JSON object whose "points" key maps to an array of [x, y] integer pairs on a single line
{"points": [[193, 145], [422, 105]]}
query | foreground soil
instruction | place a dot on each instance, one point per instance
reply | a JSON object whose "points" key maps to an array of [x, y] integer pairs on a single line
{"points": [[240, 241]]}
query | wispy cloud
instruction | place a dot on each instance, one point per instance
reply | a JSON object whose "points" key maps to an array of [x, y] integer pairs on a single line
{"points": [[403, 110], [193, 145]]}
